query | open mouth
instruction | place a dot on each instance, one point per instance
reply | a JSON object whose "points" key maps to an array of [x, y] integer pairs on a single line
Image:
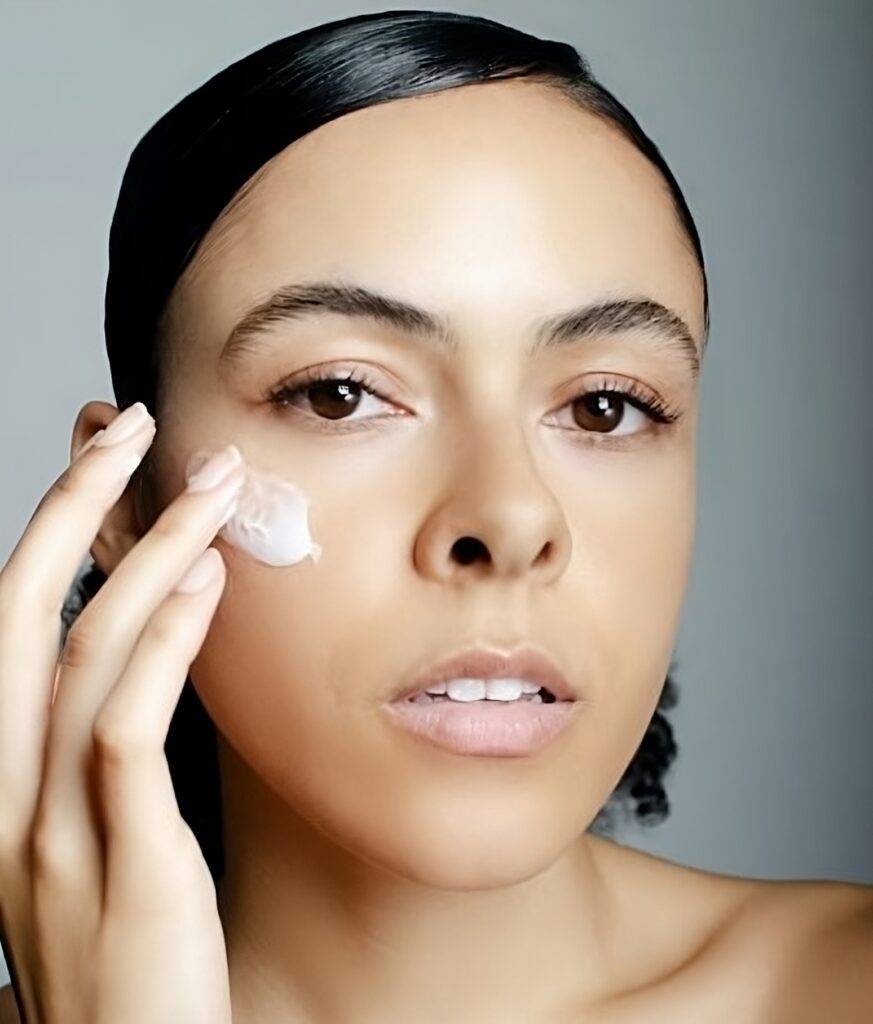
{"points": [[470, 719], [542, 696]]}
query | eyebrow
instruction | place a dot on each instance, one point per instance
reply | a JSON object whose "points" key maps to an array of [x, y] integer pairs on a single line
{"points": [[658, 324]]}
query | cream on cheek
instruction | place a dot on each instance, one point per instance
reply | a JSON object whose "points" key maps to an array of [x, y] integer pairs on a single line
{"points": [[269, 519]]}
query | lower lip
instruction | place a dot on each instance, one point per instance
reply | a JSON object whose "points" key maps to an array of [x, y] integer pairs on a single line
{"points": [[486, 727]]}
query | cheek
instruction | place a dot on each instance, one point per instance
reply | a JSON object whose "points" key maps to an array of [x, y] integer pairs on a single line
{"points": [[296, 656], [292, 677], [633, 543], [643, 563], [296, 651]]}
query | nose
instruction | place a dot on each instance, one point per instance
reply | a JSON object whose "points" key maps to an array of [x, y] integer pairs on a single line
{"points": [[499, 520]]}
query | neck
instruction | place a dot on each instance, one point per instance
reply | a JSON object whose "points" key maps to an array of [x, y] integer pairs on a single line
{"points": [[315, 934]]}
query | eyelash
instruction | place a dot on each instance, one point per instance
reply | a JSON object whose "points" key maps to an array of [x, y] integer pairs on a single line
{"points": [[280, 396], [657, 410]]}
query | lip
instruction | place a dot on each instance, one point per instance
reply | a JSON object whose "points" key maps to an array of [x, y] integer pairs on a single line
{"points": [[491, 663], [488, 728]]}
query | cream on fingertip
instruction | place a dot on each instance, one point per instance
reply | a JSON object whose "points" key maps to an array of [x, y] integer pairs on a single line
{"points": [[267, 517]]}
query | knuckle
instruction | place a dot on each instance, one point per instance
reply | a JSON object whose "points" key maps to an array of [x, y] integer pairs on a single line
{"points": [[117, 742], [167, 525], [164, 630], [79, 644], [50, 858], [13, 844], [66, 486]]}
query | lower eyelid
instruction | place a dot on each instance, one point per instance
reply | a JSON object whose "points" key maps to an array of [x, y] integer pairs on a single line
{"points": [[593, 440], [344, 425]]}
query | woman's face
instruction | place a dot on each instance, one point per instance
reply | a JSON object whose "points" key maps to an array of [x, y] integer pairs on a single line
{"points": [[493, 207]]}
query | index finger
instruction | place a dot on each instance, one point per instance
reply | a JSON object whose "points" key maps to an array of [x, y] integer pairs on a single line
{"points": [[33, 585]]}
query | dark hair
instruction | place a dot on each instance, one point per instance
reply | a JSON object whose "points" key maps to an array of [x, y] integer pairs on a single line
{"points": [[191, 165]]}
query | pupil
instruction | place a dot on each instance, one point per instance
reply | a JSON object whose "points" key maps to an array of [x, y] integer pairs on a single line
{"points": [[599, 411], [333, 399]]}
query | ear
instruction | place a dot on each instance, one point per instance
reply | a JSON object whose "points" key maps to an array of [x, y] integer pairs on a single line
{"points": [[123, 525]]}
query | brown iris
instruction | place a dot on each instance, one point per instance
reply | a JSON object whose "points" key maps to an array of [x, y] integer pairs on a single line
{"points": [[598, 411], [334, 398]]}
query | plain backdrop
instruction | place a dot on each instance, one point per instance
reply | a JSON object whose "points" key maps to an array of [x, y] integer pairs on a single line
{"points": [[764, 112]]}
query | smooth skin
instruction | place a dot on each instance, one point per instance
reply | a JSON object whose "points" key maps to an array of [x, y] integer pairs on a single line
{"points": [[371, 877]]}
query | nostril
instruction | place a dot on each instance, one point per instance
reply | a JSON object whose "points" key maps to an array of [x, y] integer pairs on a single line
{"points": [[545, 553], [469, 549]]}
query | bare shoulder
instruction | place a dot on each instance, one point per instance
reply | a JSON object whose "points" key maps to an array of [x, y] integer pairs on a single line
{"points": [[818, 937], [8, 1009], [689, 903], [770, 951]]}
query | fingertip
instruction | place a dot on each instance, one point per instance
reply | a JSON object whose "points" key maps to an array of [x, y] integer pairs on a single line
{"points": [[205, 571]]}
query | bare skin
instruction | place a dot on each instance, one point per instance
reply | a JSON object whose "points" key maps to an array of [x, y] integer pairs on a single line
{"points": [[374, 879]]}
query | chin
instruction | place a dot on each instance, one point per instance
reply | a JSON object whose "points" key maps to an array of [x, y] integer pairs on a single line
{"points": [[472, 866], [463, 844]]}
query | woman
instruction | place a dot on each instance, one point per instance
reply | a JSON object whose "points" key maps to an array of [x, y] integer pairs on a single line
{"points": [[424, 269]]}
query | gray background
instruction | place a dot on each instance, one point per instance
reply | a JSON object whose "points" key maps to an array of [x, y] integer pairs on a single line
{"points": [[764, 113]]}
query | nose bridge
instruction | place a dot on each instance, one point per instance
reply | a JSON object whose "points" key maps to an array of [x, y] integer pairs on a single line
{"points": [[498, 471], [498, 517]]}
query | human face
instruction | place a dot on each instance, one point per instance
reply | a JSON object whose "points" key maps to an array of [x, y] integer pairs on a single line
{"points": [[492, 206]]}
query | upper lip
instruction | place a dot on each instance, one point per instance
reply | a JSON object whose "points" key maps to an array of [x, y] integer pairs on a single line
{"points": [[490, 663]]}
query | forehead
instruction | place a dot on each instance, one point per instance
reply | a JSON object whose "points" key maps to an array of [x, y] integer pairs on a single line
{"points": [[487, 202]]}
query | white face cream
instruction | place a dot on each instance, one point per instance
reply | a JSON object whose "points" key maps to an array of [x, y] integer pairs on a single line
{"points": [[269, 518]]}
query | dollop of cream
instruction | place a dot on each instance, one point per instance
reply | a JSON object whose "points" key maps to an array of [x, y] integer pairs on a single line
{"points": [[269, 519]]}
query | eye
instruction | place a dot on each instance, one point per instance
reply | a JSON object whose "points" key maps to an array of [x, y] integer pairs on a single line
{"points": [[325, 394], [611, 410], [330, 398]]}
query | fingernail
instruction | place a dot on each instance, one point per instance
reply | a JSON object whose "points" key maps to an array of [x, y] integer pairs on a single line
{"points": [[201, 573], [216, 469], [92, 440], [230, 508], [125, 425]]}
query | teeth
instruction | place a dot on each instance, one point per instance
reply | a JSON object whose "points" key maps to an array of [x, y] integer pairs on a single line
{"points": [[503, 689], [468, 689]]}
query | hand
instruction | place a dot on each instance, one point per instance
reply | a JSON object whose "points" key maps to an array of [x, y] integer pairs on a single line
{"points": [[108, 912]]}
